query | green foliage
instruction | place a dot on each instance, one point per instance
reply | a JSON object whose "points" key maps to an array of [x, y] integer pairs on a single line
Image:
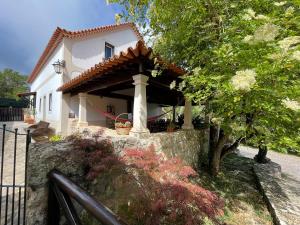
{"points": [[12, 83], [7, 102], [242, 57], [56, 138]]}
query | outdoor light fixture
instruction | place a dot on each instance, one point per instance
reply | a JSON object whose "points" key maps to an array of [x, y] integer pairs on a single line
{"points": [[59, 66]]}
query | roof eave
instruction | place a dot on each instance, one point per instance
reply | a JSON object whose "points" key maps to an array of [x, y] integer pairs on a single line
{"points": [[60, 33]]}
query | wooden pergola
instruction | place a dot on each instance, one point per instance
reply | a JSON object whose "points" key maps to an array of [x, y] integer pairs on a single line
{"points": [[115, 74]]}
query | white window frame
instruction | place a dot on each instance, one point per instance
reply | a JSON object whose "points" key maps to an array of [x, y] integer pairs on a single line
{"points": [[108, 45]]}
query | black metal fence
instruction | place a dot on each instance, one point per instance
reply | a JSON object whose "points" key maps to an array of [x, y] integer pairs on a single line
{"points": [[13, 173], [11, 114]]}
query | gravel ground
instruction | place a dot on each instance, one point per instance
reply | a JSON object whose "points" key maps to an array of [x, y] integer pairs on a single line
{"points": [[290, 164]]}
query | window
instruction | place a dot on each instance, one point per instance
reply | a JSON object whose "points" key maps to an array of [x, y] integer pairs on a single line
{"points": [[109, 50], [40, 105], [50, 102]]}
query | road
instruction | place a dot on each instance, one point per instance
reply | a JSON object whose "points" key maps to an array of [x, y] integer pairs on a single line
{"points": [[290, 164]]}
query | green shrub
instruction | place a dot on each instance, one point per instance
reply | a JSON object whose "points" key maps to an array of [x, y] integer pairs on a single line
{"points": [[56, 138]]}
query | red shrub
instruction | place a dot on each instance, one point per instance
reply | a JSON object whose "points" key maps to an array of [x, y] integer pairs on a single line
{"points": [[171, 189], [163, 192]]}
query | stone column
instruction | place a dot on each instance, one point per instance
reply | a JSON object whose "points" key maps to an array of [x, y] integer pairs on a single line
{"points": [[65, 110], [140, 106], [187, 125], [82, 121]]}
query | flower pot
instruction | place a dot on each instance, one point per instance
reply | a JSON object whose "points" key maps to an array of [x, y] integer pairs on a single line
{"points": [[170, 129], [123, 130], [26, 118], [31, 121]]}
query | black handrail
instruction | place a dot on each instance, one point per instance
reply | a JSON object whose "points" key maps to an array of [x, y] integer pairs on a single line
{"points": [[62, 189]]}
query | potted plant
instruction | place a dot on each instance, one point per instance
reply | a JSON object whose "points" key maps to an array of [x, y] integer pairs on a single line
{"points": [[26, 115], [171, 127], [32, 116], [29, 116]]}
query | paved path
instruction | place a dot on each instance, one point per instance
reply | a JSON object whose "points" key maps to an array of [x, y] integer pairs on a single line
{"points": [[9, 152], [8, 170], [283, 193], [289, 164]]}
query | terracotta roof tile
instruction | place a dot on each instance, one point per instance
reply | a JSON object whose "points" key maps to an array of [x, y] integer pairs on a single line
{"points": [[60, 33], [124, 56]]}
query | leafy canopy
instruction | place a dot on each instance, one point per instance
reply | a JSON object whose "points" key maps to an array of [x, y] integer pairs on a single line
{"points": [[243, 58], [12, 83]]}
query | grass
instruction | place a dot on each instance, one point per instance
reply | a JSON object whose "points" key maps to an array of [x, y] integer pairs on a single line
{"points": [[236, 184]]}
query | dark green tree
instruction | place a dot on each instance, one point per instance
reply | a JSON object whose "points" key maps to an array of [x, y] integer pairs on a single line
{"points": [[12, 83], [242, 59]]}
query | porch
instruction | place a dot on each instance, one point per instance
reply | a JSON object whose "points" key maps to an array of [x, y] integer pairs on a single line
{"points": [[123, 84]]}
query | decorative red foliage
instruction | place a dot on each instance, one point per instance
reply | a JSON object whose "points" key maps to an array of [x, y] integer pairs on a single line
{"points": [[163, 190], [172, 190]]}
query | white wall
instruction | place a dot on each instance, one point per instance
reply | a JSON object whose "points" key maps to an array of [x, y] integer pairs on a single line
{"points": [[79, 55], [153, 110], [95, 103], [47, 82], [90, 51]]}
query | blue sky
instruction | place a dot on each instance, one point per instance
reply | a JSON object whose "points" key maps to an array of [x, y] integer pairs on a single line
{"points": [[26, 26]]}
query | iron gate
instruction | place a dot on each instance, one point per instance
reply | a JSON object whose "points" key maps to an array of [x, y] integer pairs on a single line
{"points": [[11, 114], [13, 173]]}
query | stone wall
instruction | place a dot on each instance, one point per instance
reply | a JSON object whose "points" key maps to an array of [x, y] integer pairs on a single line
{"points": [[184, 144], [42, 159], [47, 156], [189, 145]]}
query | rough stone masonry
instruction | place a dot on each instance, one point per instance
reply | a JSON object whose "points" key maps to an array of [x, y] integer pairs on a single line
{"points": [[43, 157]]}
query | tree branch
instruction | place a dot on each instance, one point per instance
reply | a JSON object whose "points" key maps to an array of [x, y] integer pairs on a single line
{"points": [[231, 148]]}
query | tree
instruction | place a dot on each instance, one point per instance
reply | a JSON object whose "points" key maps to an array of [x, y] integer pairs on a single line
{"points": [[12, 83], [242, 58]]}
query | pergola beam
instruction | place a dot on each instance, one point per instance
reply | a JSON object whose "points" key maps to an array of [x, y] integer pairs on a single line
{"points": [[106, 83]]}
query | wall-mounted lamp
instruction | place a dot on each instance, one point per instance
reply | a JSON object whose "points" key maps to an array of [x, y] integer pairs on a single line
{"points": [[59, 66]]}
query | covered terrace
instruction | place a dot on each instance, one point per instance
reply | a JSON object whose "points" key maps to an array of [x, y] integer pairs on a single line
{"points": [[128, 76]]}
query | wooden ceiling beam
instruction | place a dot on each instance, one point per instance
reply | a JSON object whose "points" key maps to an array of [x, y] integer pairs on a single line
{"points": [[94, 86], [118, 96], [112, 89]]}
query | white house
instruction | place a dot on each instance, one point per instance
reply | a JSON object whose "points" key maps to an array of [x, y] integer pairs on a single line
{"points": [[105, 69]]}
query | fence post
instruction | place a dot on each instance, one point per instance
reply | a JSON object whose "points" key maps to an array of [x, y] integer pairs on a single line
{"points": [[2, 162], [53, 207], [28, 140]]}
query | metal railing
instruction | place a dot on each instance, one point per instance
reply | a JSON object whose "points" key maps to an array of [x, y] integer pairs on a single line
{"points": [[13, 194], [62, 190]]}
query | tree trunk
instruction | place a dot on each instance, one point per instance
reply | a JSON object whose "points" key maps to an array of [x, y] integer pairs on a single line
{"points": [[214, 133], [216, 152], [215, 164], [261, 156], [231, 148]]}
